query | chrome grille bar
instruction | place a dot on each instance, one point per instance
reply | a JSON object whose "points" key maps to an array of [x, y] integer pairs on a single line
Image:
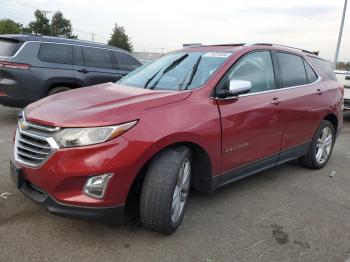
{"points": [[34, 143]]}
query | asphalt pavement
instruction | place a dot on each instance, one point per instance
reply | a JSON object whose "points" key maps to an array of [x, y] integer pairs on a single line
{"points": [[288, 213]]}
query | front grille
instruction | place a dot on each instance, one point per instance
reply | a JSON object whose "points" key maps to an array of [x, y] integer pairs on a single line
{"points": [[34, 143]]}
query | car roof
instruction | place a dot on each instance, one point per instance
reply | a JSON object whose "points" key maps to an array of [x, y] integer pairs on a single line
{"points": [[240, 46], [61, 40]]}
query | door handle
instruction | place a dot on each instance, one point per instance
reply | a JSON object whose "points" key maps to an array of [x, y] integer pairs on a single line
{"points": [[83, 71], [276, 101], [319, 91]]}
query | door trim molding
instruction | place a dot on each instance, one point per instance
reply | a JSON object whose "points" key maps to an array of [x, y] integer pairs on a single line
{"points": [[249, 169]]}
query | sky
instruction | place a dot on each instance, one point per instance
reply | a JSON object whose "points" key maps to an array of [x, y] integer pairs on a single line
{"points": [[163, 25]]}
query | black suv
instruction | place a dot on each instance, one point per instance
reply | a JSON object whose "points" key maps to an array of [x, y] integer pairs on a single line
{"points": [[34, 66]]}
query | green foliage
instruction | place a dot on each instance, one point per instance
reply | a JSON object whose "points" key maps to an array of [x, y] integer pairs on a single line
{"points": [[41, 25], [8, 26], [61, 26], [120, 39]]}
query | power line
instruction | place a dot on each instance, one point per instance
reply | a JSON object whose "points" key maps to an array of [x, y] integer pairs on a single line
{"points": [[45, 12]]}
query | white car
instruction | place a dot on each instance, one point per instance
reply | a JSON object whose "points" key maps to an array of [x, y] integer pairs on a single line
{"points": [[344, 78]]}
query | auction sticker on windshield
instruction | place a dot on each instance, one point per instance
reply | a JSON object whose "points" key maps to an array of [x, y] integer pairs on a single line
{"points": [[217, 54]]}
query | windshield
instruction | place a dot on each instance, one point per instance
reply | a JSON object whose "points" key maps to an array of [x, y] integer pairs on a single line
{"points": [[176, 71]]}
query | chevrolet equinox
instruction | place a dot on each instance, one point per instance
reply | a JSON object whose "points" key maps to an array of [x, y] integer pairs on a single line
{"points": [[199, 118]]}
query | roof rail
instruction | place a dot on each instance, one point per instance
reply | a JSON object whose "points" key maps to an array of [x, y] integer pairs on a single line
{"points": [[286, 46], [230, 44]]}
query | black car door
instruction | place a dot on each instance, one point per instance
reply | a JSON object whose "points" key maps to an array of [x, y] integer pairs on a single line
{"points": [[93, 65]]}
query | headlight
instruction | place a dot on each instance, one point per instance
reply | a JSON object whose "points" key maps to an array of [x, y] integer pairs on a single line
{"points": [[72, 137]]}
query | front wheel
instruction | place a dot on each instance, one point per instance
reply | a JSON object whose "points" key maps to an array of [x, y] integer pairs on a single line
{"points": [[165, 190], [321, 146]]}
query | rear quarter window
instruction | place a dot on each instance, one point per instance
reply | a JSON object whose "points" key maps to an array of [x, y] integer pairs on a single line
{"points": [[125, 61], [56, 53], [324, 66], [9, 47]]}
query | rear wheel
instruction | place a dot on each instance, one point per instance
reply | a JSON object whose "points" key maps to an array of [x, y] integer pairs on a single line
{"points": [[165, 190], [57, 90], [321, 146]]}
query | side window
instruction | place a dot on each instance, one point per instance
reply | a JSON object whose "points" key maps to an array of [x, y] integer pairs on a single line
{"points": [[56, 53], [256, 68], [310, 73], [97, 57], [125, 61], [78, 56], [292, 70]]}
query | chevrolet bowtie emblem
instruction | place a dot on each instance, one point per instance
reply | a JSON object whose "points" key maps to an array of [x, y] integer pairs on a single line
{"points": [[24, 125]]}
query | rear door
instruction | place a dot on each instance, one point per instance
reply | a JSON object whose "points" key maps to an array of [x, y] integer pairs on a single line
{"points": [[301, 95], [252, 123], [94, 66]]}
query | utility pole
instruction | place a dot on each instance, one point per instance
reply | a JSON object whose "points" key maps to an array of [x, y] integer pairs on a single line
{"points": [[340, 35], [93, 37], [45, 12]]}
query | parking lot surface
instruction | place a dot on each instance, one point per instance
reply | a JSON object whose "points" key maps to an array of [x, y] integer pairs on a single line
{"points": [[288, 213]]}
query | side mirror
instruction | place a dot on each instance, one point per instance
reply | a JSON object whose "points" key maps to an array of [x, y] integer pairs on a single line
{"points": [[238, 87]]}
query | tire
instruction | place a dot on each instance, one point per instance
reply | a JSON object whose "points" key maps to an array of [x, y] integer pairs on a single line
{"points": [[163, 186], [57, 90], [314, 159]]}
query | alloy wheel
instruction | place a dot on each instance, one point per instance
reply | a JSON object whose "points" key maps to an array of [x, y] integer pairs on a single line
{"points": [[324, 145], [181, 190]]}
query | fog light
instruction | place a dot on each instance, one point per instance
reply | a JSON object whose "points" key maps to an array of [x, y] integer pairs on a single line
{"points": [[96, 186]]}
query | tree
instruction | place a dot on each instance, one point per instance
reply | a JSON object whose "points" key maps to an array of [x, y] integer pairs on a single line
{"points": [[41, 24], [8, 26], [343, 66], [61, 26], [120, 39]]}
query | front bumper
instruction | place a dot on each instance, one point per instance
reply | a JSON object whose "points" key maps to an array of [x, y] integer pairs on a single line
{"points": [[107, 215]]}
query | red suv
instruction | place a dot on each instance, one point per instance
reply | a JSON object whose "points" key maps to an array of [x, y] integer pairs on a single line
{"points": [[200, 118]]}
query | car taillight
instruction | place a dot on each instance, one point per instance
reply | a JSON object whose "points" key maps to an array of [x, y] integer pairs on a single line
{"points": [[3, 93], [12, 65]]}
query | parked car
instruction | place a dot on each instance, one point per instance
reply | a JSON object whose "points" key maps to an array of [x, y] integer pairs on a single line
{"points": [[344, 78], [200, 118], [34, 66]]}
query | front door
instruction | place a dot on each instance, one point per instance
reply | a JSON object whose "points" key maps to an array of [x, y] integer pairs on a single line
{"points": [[252, 124]]}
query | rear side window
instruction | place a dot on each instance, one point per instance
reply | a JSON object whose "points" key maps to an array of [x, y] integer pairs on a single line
{"points": [[97, 57], [56, 53], [9, 47], [292, 70], [125, 61], [324, 66], [310, 73]]}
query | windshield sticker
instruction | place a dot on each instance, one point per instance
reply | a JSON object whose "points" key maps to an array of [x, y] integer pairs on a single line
{"points": [[217, 54]]}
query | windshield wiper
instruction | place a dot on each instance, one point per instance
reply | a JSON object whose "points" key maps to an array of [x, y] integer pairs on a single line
{"points": [[193, 72], [167, 69], [150, 79]]}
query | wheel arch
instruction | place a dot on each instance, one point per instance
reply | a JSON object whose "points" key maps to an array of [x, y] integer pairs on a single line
{"points": [[201, 180], [58, 82], [331, 117]]}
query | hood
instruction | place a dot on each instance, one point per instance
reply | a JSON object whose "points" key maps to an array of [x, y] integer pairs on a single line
{"points": [[100, 105]]}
